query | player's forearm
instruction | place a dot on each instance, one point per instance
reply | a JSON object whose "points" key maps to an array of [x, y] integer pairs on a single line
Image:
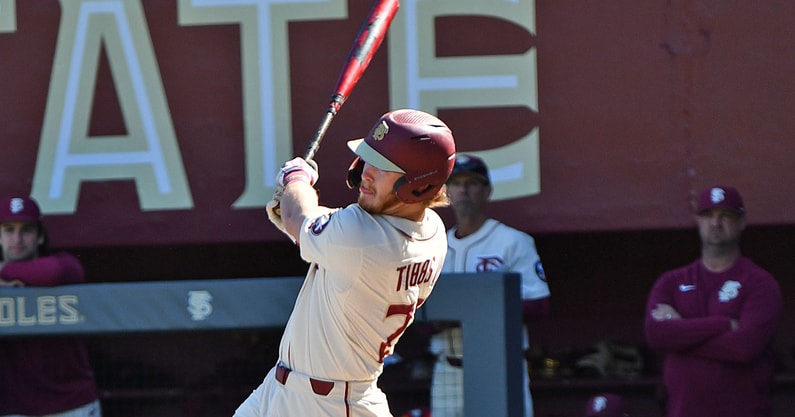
{"points": [[736, 347], [747, 339], [299, 201], [682, 334], [751, 331]]}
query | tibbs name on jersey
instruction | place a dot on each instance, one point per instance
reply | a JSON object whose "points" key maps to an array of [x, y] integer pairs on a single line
{"points": [[417, 273]]}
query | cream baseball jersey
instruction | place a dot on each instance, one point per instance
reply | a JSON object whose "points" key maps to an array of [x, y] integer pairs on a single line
{"points": [[368, 275], [497, 247]]}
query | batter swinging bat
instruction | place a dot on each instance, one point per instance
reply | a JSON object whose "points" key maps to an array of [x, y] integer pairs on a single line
{"points": [[368, 40]]}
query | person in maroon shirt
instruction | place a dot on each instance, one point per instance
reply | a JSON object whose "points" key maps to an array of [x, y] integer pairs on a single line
{"points": [[715, 320], [40, 376]]}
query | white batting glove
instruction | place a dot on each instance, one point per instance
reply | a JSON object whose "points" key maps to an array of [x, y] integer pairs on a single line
{"points": [[274, 214], [298, 169]]}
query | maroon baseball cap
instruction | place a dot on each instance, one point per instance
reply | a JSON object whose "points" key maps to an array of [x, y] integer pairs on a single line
{"points": [[472, 165], [720, 196], [605, 405], [19, 209]]}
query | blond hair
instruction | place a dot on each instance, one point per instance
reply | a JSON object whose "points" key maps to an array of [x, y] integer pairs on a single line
{"points": [[439, 200]]}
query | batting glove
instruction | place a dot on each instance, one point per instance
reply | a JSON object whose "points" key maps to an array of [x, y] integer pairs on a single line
{"points": [[274, 213], [298, 169]]}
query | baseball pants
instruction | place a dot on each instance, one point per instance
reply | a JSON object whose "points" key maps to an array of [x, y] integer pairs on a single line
{"points": [[287, 393]]}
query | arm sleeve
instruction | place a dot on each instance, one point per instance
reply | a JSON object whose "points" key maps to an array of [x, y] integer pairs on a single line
{"points": [[527, 262], [757, 325], [681, 334], [325, 238], [47, 271]]}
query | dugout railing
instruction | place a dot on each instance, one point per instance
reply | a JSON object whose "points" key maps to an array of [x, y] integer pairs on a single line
{"points": [[486, 305]]}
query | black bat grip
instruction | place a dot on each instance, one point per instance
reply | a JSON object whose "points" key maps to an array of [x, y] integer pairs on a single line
{"points": [[314, 144]]}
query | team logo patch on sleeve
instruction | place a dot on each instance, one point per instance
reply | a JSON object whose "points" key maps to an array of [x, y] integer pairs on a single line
{"points": [[540, 271], [319, 224]]}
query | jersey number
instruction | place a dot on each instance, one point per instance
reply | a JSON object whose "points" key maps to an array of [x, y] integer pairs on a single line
{"points": [[399, 309]]}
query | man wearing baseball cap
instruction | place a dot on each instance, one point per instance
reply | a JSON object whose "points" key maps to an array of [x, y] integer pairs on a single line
{"points": [[478, 243], [40, 376], [715, 320]]}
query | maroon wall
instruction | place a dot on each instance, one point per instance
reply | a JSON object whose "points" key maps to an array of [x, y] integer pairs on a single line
{"points": [[640, 106]]}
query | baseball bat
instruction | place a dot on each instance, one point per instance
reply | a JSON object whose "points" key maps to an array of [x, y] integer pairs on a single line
{"points": [[367, 41]]}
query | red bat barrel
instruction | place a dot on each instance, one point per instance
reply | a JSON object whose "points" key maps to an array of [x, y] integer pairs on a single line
{"points": [[365, 45], [367, 41]]}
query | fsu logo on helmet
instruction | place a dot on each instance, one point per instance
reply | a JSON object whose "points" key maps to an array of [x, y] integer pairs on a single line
{"points": [[380, 131]]}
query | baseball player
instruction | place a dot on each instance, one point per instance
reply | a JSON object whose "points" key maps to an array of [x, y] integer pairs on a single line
{"points": [[40, 376], [372, 264], [478, 243], [715, 320]]}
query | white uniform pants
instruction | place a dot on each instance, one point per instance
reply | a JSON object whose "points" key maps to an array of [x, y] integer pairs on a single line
{"points": [[297, 397]]}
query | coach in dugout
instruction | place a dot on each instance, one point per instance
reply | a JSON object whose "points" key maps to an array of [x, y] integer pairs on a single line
{"points": [[372, 264], [715, 320], [478, 243], [40, 376]]}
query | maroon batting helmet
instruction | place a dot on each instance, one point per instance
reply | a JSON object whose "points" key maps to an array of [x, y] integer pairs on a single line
{"points": [[411, 142]]}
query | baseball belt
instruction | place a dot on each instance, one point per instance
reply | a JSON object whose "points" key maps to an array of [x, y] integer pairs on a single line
{"points": [[319, 386]]}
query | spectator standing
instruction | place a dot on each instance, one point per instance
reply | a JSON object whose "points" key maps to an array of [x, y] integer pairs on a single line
{"points": [[715, 320], [478, 243], [40, 376]]}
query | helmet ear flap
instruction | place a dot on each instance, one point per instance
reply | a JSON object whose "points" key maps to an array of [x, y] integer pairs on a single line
{"points": [[412, 193], [354, 178]]}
